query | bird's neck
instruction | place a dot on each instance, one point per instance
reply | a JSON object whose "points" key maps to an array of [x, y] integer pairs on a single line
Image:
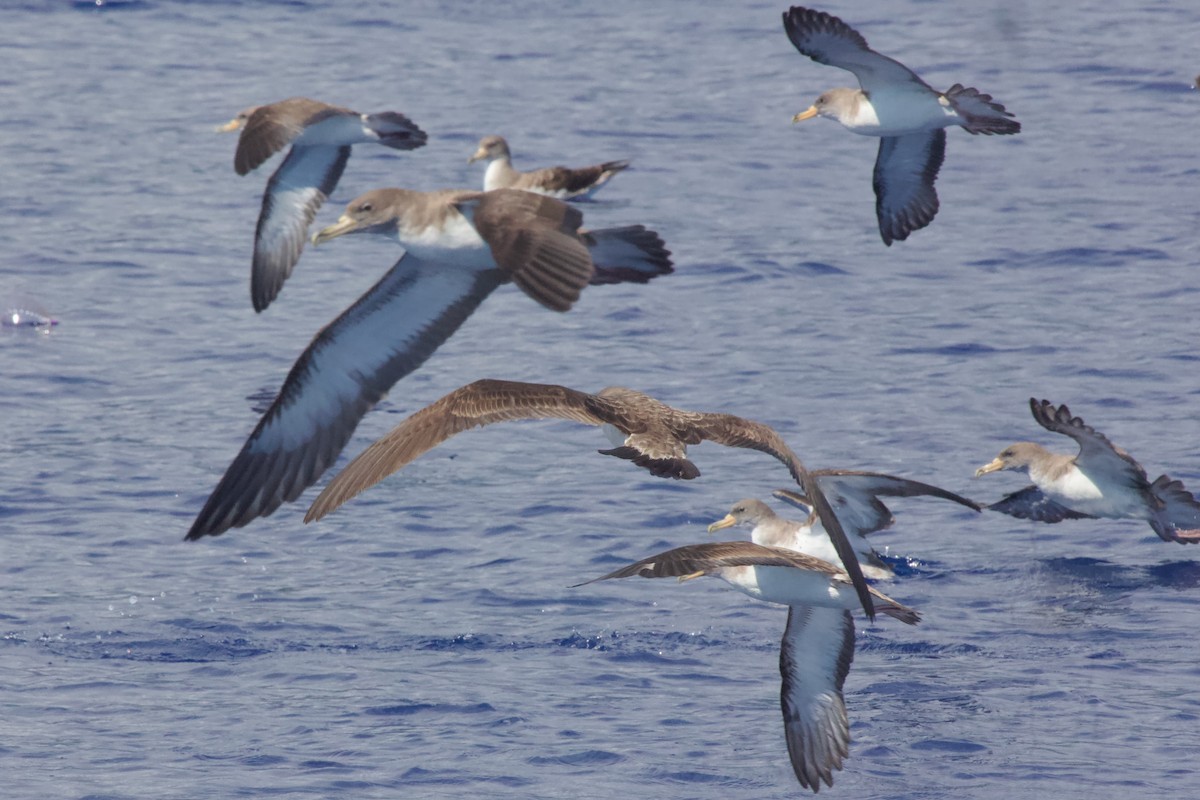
{"points": [[499, 174]]}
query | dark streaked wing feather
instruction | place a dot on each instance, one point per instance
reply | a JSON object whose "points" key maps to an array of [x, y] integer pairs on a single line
{"points": [[860, 482], [566, 180], [632, 254], [814, 659], [905, 170], [559, 179], [294, 195], [535, 240], [1030, 503], [1096, 453], [733, 431], [827, 40], [472, 406], [679, 467], [346, 369], [710, 556]]}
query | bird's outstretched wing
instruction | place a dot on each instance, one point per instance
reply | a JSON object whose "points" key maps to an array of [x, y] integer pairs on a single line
{"points": [[1097, 455], [855, 495], [905, 170], [472, 406], [293, 196], [827, 40], [347, 368], [814, 659]]}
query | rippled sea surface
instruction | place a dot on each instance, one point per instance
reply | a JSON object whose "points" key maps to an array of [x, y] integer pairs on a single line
{"points": [[423, 641]]}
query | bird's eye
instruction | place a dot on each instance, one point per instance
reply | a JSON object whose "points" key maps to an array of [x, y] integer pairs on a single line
{"points": [[365, 207]]}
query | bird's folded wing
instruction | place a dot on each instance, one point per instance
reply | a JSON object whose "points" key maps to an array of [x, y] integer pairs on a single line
{"points": [[535, 241]]}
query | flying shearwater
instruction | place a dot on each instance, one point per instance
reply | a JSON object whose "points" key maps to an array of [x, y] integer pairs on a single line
{"points": [[818, 643], [1102, 480], [894, 104], [321, 136]]}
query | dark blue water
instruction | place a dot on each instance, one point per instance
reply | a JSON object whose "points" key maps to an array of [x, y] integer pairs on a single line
{"points": [[422, 642]]}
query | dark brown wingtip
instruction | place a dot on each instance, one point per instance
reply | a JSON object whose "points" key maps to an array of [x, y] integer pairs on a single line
{"points": [[678, 468], [909, 616], [799, 21], [1046, 414]]}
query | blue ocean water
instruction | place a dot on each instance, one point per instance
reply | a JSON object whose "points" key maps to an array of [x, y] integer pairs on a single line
{"points": [[423, 641]]}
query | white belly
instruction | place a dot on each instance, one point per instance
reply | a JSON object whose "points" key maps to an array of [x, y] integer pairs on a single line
{"points": [[496, 176], [1079, 492], [789, 586], [895, 113], [814, 541], [455, 242]]}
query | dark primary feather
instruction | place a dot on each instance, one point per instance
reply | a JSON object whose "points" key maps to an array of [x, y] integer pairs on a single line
{"points": [[856, 493], [802, 23]]}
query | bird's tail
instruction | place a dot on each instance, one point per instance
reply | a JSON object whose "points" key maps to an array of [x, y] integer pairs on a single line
{"points": [[1178, 520], [886, 605], [980, 113], [610, 168], [396, 130], [633, 254]]}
